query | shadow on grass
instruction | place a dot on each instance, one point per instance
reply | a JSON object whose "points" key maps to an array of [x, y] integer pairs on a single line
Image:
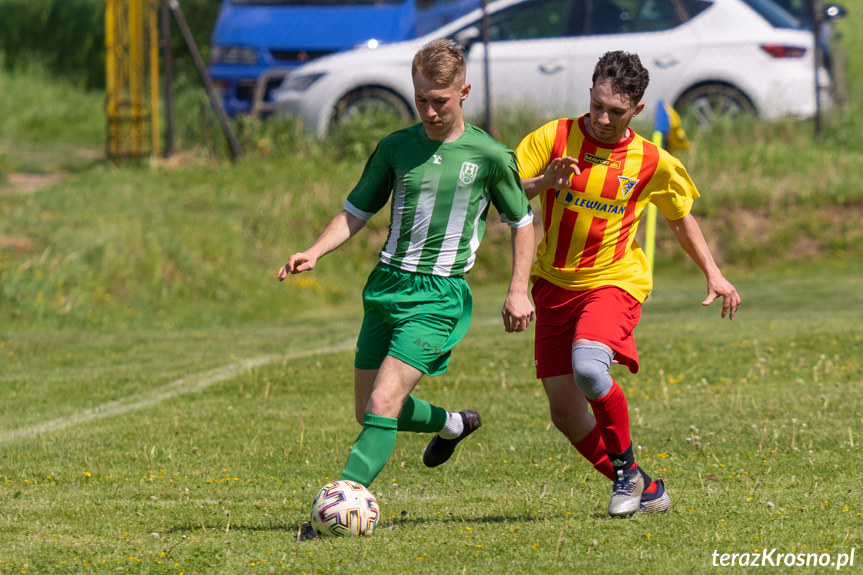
{"points": [[488, 519], [198, 528], [293, 527]]}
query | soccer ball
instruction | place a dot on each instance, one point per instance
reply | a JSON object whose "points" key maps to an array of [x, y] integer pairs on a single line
{"points": [[345, 509]]}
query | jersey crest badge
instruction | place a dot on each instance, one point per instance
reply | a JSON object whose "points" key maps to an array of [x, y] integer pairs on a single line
{"points": [[626, 185], [468, 173]]}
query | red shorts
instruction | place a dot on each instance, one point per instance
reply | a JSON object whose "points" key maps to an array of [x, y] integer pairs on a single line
{"points": [[607, 315]]}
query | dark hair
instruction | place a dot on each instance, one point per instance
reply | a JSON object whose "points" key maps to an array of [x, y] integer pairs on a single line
{"points": [[440, 62], [627, 75]]}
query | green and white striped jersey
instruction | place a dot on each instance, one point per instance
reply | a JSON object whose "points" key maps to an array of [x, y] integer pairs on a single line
{"points": [[441, 192]]}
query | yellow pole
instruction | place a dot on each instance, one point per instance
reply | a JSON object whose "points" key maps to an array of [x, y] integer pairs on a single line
{"points": [[650, 223], [110, 75], [154, 77], [136, 75], [132, 88]]}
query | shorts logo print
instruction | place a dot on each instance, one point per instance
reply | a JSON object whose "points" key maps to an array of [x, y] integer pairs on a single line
{"points": [[426, 346]]}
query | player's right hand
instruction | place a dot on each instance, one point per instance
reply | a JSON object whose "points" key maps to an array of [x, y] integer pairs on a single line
{"points": [[297, 263]]}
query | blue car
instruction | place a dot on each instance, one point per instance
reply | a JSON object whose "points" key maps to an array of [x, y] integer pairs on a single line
{"points": [[256, 43]]}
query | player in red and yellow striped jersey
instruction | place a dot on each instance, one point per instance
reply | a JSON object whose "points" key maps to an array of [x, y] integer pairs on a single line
{"points": [[595, 177]]}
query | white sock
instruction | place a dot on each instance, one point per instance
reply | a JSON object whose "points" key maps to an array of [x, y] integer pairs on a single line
{"points": [[453, 427]]}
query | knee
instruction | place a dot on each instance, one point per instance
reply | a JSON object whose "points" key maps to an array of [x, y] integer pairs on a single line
{"points": [[562, 417], [574, 421], [590, 367], [361, 407]]}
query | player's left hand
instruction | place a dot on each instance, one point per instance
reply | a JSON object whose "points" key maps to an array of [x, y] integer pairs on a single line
{"points": [[517, 313], [721, 287], [559, 172]]}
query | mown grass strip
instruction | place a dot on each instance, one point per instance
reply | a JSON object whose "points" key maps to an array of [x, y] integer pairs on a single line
{"points": [[191, 384]]}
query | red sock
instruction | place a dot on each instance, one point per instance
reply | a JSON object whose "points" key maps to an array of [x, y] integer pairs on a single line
{"points": [[612, 418], [593, 449]]}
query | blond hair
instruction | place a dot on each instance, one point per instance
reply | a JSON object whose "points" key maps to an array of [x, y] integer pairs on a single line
{"points": [[441, 62]]}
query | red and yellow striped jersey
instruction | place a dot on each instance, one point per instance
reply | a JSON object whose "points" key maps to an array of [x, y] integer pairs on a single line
{"points": [[589, 230]]}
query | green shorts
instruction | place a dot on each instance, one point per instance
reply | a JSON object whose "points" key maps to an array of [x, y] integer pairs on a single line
{"points": [[417, 318]]}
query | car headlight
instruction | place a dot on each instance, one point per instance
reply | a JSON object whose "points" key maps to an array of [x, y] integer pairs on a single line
{"points": [[371, 44], [233, 55], [302, 82]]}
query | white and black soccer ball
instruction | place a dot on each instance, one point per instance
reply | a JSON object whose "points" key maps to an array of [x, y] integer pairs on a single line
{"points": [[344, 509]]}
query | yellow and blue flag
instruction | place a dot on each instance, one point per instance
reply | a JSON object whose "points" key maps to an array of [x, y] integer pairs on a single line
{"points": [[667, 125], [667, 134]]}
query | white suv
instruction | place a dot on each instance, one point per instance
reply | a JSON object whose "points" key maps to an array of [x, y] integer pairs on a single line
{"points": [[707, 55]]}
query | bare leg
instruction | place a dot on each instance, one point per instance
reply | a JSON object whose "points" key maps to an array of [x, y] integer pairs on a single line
{"points": [[568, 407], [569, 414], [395, 380], [364, 382], [374, 445]]}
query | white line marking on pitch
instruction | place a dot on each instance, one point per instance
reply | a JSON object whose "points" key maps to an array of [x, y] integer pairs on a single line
{"points": [[192, 384]]}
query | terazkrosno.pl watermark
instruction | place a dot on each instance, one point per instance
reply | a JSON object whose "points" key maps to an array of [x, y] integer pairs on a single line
{"points": [[774, 558]]}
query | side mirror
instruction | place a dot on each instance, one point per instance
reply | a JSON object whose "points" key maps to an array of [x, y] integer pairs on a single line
{"points": [[834, 11]]}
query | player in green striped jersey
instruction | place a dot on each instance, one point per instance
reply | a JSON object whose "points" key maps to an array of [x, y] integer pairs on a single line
{"points": [[440, 177]]}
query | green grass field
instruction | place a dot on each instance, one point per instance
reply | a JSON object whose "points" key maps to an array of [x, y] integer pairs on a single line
{"points": [[167, 406], [161, 451]]}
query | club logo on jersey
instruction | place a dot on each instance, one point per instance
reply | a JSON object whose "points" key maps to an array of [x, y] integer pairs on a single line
{"points": [[602, 161], [468, 173], [626, 185], [437, 158]]}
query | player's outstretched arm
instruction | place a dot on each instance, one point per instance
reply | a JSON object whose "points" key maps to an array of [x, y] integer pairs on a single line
{"points": [[557, 175], [518, 310], [691, 239], [340, 229]]}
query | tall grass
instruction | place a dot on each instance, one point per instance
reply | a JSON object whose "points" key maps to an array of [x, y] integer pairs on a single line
{"points": [[66, 36], [40, 110], [48, 124], [850, 43]]}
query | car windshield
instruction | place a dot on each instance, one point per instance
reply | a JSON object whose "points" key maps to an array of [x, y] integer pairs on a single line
{"points": [[775, 14], [316, 2]]}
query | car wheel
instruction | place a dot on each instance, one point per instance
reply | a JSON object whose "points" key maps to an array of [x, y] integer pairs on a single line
{"points": [[707, 102], [371, 100]]}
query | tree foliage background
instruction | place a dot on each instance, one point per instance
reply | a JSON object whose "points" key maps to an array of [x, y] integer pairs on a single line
{"points": [[67, 37]]}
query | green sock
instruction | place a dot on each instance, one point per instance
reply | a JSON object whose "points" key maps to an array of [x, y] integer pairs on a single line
{"points": [[421, 417], [372, 449]]}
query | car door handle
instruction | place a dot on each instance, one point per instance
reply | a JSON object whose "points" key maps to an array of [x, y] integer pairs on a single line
{"points": [[667, 61], [552, 68]]}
